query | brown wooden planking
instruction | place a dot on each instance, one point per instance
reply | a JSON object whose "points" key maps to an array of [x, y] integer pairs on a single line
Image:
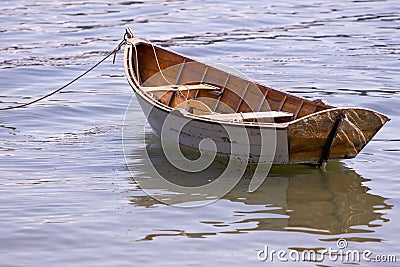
{"points": [[165, 96], [251, 93], [146, 63], [153, 77], [188, 75], [255, 94], [232, 92], [291, 105], [234, 87], [177, 100], [192, 72], [274, 105], [207, 94], [148, 73], [244, 107], [230, 101], [181, 97], [278, 100], [307, 137], [265, 106], [207, 98], [215, 76], [147, 59], [165, 58], [276, 96], [306, 109]]}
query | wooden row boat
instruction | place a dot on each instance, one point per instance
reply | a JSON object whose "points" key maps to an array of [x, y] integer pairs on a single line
{"points": [[295, 129]]}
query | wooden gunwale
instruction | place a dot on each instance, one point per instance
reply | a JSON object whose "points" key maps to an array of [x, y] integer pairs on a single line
{"points": [[234, 92], [205, 73]]}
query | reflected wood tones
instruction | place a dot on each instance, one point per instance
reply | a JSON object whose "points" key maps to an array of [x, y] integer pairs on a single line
{"points": [[294, 198]]}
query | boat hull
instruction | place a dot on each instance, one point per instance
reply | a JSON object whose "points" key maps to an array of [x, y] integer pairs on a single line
{"points": [[271, 141], [316, 132], [301, 141], [308, 136]]}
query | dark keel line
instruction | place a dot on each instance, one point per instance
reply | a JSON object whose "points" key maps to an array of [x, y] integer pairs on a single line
{"points": [[329, 142], [113, 52]]}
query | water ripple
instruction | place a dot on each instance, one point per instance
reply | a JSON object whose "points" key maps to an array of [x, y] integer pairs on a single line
{"points": [[65, 186]]}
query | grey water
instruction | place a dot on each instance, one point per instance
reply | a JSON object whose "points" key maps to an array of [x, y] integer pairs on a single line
{"points": [[67, 197]]}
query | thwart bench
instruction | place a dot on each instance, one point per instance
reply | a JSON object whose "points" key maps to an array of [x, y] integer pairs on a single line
{"points": [[263, 116], [198, 108]]}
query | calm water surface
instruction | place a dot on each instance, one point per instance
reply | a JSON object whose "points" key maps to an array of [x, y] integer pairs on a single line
{"points": [[66, 195]]}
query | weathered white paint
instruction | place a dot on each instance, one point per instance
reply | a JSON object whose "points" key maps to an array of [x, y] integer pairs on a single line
{"points": [[300, 140], [198, 129]]}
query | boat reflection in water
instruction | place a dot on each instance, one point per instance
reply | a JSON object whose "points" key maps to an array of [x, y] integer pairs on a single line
{"points": [[292, 198]]}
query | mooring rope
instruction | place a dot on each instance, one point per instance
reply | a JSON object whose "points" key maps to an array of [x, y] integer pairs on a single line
{"points": [[114, 52]]}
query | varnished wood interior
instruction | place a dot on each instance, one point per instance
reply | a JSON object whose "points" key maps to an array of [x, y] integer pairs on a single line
{"points": [[168, 80], [233, 95]]}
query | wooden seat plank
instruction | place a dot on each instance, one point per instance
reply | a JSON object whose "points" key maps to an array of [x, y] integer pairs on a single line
{"points": [[201, 86], [250, 116]]}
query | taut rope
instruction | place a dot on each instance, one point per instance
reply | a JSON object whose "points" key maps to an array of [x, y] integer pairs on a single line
{"points": [[114, 52]]}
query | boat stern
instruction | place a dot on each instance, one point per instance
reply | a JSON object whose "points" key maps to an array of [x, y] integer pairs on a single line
{"points": [[338, 133]]}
